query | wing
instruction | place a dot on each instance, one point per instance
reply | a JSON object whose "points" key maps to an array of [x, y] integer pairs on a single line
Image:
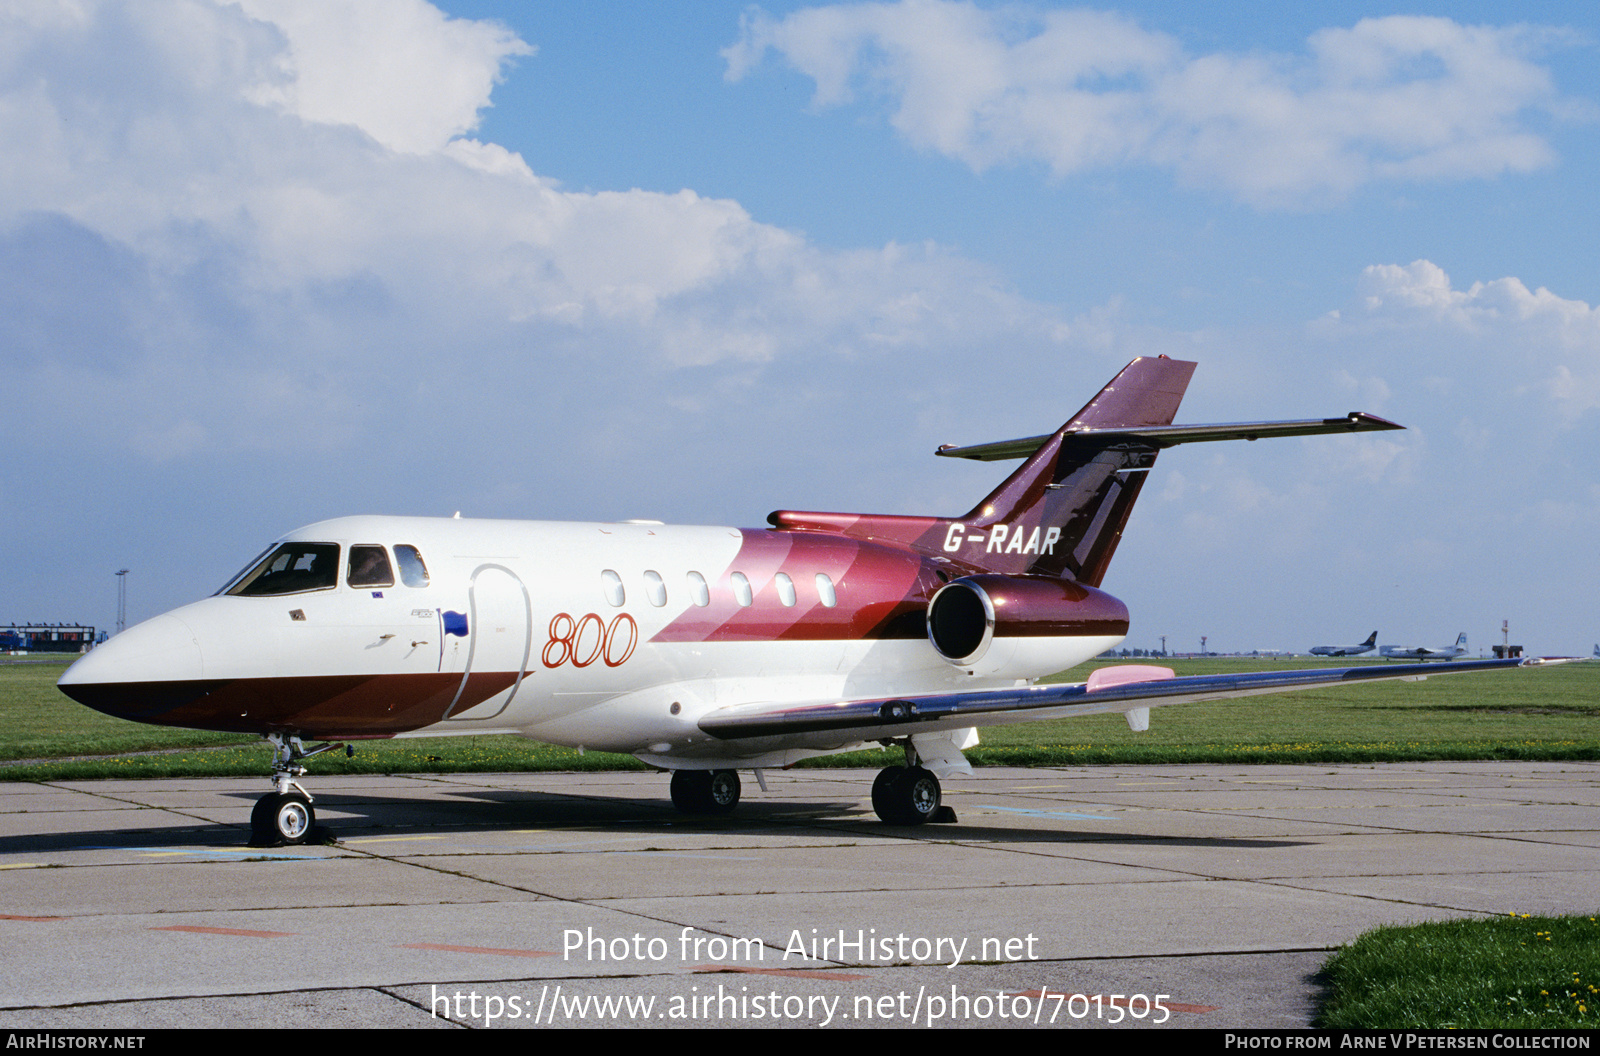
{"points": [[1126, 689]]}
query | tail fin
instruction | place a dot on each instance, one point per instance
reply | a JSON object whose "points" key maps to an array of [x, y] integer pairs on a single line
{"points": [[1062, 512], [1372, 640]]}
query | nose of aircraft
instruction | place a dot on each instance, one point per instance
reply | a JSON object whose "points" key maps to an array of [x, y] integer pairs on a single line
{"points": [[146, 670]]}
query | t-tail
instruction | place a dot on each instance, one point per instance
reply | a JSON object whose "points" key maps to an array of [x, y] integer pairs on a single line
{"points": [[1062, 513]]}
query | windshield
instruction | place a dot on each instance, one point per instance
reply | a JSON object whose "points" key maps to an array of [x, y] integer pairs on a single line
{"points": [[246, 570], [292, 569]]}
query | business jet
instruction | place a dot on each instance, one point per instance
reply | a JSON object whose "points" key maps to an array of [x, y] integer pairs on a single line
{"points": [[703, 651], [1422, 652], [1347, 650]]}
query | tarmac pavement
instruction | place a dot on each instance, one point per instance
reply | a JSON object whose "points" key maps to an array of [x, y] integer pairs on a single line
{"points": [[1139, 896]]}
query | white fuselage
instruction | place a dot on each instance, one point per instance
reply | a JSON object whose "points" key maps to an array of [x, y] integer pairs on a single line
{"points": [[617, 637]]}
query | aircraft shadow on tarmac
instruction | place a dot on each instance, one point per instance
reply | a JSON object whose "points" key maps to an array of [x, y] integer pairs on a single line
{"points": [[358, 816]]}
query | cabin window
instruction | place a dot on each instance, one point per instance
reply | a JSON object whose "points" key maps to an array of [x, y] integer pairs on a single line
{"points": [[655, 589], [741, 589], [413, 573], [698, 589], [825, 590], [369, 567], [785, 589], [613, 587], [292, 568]]}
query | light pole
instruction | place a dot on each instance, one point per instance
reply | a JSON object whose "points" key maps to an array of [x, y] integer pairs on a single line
{"points": [[122, 599]]}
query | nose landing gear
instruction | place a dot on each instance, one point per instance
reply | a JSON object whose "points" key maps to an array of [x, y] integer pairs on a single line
{"points": [[284, 816]]}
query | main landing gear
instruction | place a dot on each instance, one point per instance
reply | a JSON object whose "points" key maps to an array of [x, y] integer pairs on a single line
{"points": [[902, 795], [285, 816], [705, 791], [909, 795]]}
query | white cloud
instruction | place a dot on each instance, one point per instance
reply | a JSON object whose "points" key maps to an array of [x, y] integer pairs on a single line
{"points": [[399, 70], [1526, 338], [277, 225], [1389, 99]]}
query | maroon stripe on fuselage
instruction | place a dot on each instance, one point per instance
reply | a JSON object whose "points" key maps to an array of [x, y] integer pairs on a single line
{"points": [[893, 582], [329, 706]]}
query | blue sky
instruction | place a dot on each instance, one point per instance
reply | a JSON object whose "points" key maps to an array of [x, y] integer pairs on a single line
{"points": [[269, 262]]}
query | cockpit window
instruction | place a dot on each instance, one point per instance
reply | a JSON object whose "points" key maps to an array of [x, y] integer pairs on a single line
{"points": [[369, 567], [245, 571], [292, 569], [413, 573]]}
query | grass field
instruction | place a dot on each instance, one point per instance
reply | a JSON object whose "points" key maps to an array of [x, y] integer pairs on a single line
{"points": [[1514, 971], [1537, 714]]}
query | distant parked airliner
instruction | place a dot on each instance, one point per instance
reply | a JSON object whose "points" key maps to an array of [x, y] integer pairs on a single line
{"points": [[1347, 650]]}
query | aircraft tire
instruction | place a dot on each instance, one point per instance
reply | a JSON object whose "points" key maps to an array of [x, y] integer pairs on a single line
{"points": [[282, 819], [912, 798], [690, 790], [880, 791], [705, 791]]}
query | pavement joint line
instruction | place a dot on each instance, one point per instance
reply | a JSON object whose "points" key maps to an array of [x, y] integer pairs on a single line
{"points": [[415, 863], [1041, 813], [387, 991], [1393, 900], [227, 995], [102, 794]]}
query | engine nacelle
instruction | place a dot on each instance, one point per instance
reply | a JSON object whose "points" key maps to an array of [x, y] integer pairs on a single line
{"points": [[1025, 626]]}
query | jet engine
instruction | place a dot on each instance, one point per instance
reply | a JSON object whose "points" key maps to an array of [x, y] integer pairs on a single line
{"points": [[1021, 626]]}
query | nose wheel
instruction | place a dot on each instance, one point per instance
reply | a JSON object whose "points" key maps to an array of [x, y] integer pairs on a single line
{"points": [[282, 819]]}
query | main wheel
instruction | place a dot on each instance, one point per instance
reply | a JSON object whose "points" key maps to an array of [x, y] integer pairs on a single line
{"points": [[281, 818], [911, 798], [705, 791], [880, 790], [690, 790]]}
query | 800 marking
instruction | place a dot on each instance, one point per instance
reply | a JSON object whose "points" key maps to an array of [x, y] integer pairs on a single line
{"points": [[589, 638]]}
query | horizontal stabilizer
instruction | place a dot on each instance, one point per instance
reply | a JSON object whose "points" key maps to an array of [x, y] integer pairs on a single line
{"points": [[1162, 436]]}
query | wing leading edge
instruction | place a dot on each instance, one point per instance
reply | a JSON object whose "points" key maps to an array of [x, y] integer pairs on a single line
{"points": [[893, 717]]}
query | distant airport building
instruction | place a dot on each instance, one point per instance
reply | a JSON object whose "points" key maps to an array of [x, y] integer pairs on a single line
{"points": [[46, 638]]}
